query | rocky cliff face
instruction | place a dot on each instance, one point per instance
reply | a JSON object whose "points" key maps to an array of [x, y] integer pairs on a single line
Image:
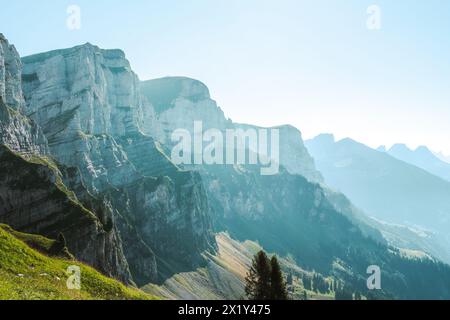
{"points": [[284, 211], [292, 212], [16, 131], [33, 196], [34, 199], [88, 102], [10, 75], [20, 133], [235, 192], [177, 102]]}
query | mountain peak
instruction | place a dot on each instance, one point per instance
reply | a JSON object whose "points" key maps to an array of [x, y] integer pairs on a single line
{"points": [[163, 92], [325, 138], [399, 147], [87, 47], [422, 157], [288, 128], [424, 150]]}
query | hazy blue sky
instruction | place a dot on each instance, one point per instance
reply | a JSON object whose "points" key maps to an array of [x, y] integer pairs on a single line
{"points": [[313, 64]]}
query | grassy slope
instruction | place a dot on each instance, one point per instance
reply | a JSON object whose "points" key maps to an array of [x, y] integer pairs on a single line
{"points": [[223, 277], [28, 274]]}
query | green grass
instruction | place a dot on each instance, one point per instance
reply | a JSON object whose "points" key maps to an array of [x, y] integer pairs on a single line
{"points": [[37, 242], [27, 274]]}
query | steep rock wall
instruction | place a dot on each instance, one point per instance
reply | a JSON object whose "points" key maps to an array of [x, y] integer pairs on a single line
{"points": [[88, 102]]}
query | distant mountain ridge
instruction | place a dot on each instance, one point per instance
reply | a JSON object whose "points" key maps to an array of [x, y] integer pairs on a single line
{"points": [[423, 158], [383, 186], [443, 157], [367, 176]]}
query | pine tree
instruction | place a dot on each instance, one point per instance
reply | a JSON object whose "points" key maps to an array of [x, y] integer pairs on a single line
{"points": [[315, 283], [344, 293], [258, 278], [277, 284], [307, 282]]}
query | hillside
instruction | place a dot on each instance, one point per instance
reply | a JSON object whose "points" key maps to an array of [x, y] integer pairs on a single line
{"points": [[224, 275], [27, 274]]}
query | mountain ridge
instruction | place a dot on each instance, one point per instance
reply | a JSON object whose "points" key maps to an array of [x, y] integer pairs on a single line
{"points": [[156, 220], [423, 158]]}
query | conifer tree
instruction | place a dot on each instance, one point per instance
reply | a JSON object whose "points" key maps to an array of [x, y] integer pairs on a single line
{"points": [[315, 283], [277, 283], [258, 278], [306, 282]]}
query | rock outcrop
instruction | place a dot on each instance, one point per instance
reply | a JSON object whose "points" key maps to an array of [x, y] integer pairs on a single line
{"points": [[177, 102], [16, 130], [284, 211], [33, 196], [88, 102], [10, 75]]}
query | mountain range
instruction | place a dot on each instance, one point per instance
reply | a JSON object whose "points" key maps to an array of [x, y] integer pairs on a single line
{"points": [[392, 190], [85, 153], [421, 157], [442, 156]]}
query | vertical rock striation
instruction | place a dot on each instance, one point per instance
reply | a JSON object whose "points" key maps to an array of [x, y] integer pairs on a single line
{"points": [[88, 102], [16, 131], [176, 102], [10, 75], [33, 196]]}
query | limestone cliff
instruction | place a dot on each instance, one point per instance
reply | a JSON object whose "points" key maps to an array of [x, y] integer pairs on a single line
{"points": [[88, 102], [10, 75], [16, 131], [33, 196], [284, 212], [177, 102]]}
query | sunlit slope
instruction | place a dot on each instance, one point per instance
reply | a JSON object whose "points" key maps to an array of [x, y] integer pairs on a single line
{"points": [[224, 275], [28, 274]]}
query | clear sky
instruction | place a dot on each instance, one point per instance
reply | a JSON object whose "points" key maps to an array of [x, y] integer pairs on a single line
{"points": [[313, 64]]}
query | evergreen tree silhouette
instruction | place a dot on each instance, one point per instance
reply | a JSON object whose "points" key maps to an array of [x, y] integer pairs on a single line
{"points": [[277, 283], [258, 278]]}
